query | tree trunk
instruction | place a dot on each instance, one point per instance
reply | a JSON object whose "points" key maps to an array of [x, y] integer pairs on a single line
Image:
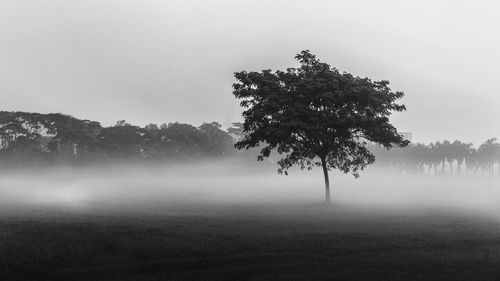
{"points": [[327, 181]]}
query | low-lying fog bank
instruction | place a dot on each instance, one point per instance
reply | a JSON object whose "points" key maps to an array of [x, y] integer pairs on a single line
{"points": [[223, 183]]}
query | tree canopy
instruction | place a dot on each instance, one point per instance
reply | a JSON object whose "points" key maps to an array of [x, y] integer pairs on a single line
{"points": [[34, 138], [316, 115]]}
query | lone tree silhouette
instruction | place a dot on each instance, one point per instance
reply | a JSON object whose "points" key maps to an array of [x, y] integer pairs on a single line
{"points": [[316, 116]]}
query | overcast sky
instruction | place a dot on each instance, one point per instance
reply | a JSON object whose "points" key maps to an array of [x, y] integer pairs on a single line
{"points": [[165, 61]]}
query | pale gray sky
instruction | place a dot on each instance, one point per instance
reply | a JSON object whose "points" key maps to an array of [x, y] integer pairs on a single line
{"points": [[162, 61]]}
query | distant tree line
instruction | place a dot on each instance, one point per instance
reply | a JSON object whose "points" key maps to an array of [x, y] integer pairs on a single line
{"points": [[58, 137], [33, 137], [442, 158]]}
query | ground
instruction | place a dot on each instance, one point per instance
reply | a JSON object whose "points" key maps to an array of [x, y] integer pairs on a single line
{"points": [[246, 242]]}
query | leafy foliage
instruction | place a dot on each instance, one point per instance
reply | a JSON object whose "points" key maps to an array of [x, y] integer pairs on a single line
{"points": [[26, 136], [315, 115], [121, 141], [218, 140]]}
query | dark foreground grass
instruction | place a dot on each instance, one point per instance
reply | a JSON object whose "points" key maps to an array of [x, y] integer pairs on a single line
{"points": [[246, 243]]}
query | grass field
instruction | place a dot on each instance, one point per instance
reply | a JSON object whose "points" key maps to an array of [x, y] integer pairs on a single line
{"points": [[245, 242], [225, 223]]}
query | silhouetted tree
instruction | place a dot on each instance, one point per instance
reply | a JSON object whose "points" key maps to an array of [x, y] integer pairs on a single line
{"points": [[461, 150], [72, 136], [488, 155], [182, 140], [123, 141], [471, 160], [219, 142], [316, 116]]}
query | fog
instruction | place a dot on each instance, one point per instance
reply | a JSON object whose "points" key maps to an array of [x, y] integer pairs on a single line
{"points": [[80, 57], [188, 186]]}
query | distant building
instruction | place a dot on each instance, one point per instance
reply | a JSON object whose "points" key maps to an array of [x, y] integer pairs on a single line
{"points": [[407, 136]]}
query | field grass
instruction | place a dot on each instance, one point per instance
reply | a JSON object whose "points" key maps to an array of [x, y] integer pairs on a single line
{"points": [[245, 242]]}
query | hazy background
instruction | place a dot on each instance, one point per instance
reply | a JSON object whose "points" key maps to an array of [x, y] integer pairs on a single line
{"points": [[163, 61]]}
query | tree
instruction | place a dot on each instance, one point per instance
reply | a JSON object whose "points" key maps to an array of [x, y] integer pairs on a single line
{"points": [[73, 136], [316, 116], [462, 150], [219, 141], [471, 160], [488, 154], [122, 141], [447, 154], [182, 140]]}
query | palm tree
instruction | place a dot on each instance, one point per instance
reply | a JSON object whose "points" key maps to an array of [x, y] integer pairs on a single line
{"points": [[488, 152], [434, 155], [440, 154], [471, 160], [447, 151], [460, 151]]}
